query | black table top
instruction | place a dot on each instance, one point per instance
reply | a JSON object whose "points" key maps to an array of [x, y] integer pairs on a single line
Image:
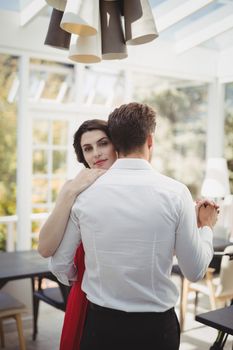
{"points": [[221, 319], [22, 264], [220, 244]]}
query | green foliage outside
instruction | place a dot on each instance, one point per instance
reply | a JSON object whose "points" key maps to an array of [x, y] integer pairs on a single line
{"points": [[8, 68], [180, 134], [229, 145]]}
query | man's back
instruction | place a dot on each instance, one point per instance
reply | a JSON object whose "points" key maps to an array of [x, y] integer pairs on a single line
{"points": [[128, 221]]}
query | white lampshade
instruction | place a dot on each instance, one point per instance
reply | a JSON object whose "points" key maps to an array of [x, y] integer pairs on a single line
{"points": [[139, 22], [57, 4], [86, 49], [81, 17], [216, 182]]}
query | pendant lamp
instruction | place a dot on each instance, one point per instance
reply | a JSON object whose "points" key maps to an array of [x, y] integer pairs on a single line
{"points": [[139, 22], [57, 37], [86, 49], [57, 4], [81, 17], [113, 41]]}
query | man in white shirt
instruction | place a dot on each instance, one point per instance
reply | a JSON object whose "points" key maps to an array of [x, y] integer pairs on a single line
{"points": [[132, 221]]}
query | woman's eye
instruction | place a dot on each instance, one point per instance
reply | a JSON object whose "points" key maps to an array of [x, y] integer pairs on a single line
{"points": [[104, 143], [87, 149]]}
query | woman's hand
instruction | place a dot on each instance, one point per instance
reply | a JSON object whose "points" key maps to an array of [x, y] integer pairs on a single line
{"points": [[83, 180], [53, 229]]}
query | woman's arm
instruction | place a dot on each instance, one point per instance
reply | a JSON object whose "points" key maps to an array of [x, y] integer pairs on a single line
{"points": [[53, 229]]}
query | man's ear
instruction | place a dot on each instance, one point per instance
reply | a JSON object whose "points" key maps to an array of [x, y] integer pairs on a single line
{"points": [[150, 140]]}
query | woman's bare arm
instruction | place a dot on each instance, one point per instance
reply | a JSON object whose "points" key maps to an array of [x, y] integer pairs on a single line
{"points": [[53, 229]]}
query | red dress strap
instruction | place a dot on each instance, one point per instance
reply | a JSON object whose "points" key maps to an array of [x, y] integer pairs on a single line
{"points": [[76, 309]]}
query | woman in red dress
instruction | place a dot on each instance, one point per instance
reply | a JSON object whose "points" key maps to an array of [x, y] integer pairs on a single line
{"points": [[94, 149]]}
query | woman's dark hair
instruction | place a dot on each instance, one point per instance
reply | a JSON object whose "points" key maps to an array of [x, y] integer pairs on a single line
{"points": [[88, 125]]}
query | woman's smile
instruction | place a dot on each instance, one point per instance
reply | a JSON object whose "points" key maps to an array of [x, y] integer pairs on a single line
{"points": [[99, 163]]}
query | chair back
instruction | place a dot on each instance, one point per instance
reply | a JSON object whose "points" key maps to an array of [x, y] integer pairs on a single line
{"points": [[225, 287]]}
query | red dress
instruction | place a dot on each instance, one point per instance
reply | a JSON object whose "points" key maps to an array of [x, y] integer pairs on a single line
{"points": [[76, 309]]}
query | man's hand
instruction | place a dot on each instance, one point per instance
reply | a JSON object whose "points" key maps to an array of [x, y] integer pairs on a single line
{"points": [[207, 213]]}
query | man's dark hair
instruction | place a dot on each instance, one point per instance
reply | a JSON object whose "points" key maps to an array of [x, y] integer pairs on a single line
{"points": [[129, 126], [88, 125]]}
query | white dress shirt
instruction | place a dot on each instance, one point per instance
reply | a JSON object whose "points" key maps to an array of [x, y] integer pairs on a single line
{"points": [[132, 221]]}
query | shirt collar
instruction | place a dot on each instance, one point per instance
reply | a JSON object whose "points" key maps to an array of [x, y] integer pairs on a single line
{"points": [[131, 163]]}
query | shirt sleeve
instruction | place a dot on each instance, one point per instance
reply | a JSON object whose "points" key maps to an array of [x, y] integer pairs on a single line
{"points": [[194, 247], [61, 264]]}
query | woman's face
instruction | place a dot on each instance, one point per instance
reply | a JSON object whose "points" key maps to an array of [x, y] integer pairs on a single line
{"points": [[98, 150]]}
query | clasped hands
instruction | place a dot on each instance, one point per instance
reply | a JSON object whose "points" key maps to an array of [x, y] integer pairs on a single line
{"points": [[207, 213]]}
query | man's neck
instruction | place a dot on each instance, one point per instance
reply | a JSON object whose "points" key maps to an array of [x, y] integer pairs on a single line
{"points": [[137, 155]]}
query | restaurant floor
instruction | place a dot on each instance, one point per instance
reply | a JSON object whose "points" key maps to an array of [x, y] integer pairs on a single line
{"points": [[195, 336]]}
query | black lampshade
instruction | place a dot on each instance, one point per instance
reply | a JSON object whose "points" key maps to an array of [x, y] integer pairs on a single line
{"points": [[56, 36]]}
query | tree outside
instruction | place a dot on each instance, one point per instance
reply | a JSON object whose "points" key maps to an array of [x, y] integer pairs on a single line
{"points": [[229, 131], [181, 132], [8, 74]]}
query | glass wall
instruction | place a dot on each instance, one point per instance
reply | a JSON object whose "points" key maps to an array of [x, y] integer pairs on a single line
{"points": [[228, 149], [8, 120], [181, 126], [51, 82], [49, 161], [103, 87], [180, 137], [8, 73]]}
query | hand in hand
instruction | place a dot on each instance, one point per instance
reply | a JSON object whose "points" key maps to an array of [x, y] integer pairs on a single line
{"points": [[207, 213]]}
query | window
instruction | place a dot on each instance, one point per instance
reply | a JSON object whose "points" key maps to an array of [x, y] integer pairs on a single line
{"points": [[229, 131], [49, 161], [8, 121], [51, 81], [104, 88], [181, 126]]}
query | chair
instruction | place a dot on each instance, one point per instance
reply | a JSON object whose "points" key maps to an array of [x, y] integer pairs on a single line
{"points": [[218, 288], [54, 296], [11, 307]]}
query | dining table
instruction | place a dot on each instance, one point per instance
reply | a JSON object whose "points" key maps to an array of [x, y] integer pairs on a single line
{"points": [[19, 265], [222, 320], [22, 264], [219, 244]]}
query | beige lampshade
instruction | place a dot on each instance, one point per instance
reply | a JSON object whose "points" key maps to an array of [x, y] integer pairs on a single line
{"points": [[113, 41], [57, 37], [139, 22], [216, 182], [86, 49], [81, 17], [57, 4]]}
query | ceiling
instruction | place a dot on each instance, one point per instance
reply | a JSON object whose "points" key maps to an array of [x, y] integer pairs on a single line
{"points": [[184, 23], [195, 38], [191, 23]]}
